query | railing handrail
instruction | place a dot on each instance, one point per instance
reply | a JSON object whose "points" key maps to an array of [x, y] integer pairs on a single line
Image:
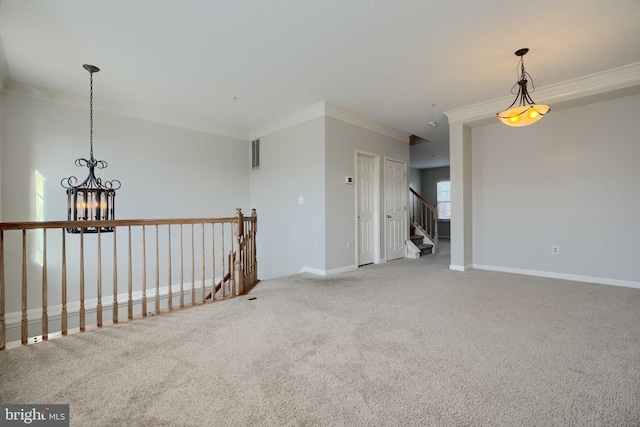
{"points": [[237, 266], [424, 202], [33, 225]]}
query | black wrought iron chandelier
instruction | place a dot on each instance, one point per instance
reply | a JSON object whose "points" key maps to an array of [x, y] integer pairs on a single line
{"points": [[92, 199], [527, 111]]}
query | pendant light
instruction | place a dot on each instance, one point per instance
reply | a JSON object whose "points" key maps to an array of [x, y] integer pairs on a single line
{"points": [[527, 111], [92, 199]]}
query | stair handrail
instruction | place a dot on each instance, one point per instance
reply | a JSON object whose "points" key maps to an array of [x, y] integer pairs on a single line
{"points": [[424, 202], [424, 216], [229, 265]]}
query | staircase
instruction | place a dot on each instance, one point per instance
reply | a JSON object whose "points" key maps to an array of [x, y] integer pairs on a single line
{"points": [[424, 224], [418, 240]]}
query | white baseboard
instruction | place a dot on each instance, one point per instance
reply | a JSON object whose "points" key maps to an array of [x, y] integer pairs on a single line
{"points": [[562, 276], [312, 270], [460, 267], [342, 270], [319, 272], [14, 319]]}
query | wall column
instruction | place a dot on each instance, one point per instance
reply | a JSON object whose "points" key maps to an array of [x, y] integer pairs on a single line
{"points": [[461, 188]]}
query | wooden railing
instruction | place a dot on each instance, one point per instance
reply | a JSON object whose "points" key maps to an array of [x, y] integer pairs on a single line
{"points": [[424, 217], [223, 249]]}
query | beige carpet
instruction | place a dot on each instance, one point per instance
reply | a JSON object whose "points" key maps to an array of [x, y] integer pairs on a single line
{"points": [[405, 343]]}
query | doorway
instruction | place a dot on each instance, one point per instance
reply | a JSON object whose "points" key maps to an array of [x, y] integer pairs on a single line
{"points": [[395, 200], [367, 208]]}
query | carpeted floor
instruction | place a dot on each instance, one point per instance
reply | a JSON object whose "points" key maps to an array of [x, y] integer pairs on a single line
{"points": [[405, 343]]}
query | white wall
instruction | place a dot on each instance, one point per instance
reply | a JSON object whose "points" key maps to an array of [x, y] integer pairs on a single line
{"points": [[312, 159], [166, 172], [290, 235], [460, 145], [343, 139], [569, 180], [430, 178]]}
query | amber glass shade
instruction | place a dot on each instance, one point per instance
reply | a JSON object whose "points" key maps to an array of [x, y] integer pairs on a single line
{"points": [[523, 115]]}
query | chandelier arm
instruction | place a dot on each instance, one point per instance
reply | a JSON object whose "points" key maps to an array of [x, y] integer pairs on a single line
{"points": [[528, 98], [70, 182], [518, 97], [82, 162], [114, 184]]}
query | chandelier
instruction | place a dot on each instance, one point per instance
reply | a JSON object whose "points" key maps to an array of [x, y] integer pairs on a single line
{"points": [[527, 111], [92, 199]]}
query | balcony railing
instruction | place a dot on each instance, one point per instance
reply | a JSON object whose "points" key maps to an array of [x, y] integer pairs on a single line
{"points": [[53, 283]]}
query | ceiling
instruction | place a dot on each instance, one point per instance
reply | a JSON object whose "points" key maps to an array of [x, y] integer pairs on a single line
{"points": [[241, 64]]}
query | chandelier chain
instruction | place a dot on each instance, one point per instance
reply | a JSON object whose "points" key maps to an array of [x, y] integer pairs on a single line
{"points": [[523, 79], [91, 115], [92, 181]]}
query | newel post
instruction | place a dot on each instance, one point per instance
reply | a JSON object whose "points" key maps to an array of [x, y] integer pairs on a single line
{"points": [[436, 238], [254, 253], [237, 264], [3, 327]]}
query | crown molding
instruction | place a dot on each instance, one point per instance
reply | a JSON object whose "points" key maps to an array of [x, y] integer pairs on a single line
{"points": [[363, 122], [309, 113], [600, 83], [82, 102], [329, 110]]}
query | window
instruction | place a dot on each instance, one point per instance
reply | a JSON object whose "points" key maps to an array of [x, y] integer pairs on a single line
{"points": [[444, 200], [255, 154]]}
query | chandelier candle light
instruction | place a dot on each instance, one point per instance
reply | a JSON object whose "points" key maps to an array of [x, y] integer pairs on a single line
{"points": [[527, 111], [92, 199]]}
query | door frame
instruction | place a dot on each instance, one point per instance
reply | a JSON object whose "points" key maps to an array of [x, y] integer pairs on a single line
{"points": [[406, 202], [376, 206]]}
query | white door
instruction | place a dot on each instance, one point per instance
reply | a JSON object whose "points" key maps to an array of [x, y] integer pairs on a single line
{"points": [[395, 202], [366, 188]]}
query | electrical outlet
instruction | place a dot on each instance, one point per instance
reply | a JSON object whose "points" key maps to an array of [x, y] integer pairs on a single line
{"points": [[348, 245], [555, 249]]}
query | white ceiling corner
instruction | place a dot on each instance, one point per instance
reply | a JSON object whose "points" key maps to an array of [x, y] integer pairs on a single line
{"points": [[326, 109], [309, 113], [363, 122]]}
